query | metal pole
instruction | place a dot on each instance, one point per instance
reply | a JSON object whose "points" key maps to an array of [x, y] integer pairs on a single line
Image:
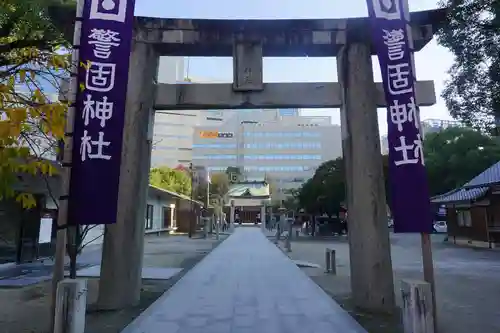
{"points": [[208, 195], [217, 225], [191, 208], [62, 217], [289, 238]]}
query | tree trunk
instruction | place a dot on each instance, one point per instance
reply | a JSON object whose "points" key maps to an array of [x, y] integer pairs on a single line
{"points": [[73, 236]]}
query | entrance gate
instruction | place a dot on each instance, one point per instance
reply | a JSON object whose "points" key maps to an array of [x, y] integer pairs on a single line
{"points": [[248, 41]]}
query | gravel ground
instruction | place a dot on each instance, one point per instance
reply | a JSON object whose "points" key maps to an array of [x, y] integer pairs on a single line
{"points": [[467, 281], [26, 309]]}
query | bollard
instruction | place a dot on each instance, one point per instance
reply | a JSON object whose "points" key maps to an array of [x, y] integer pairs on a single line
{"points": [[217, 230], [205, 227], [289, 238], [417, 312], [330, 261], [278, 234], [297, 233], [71, 305]]}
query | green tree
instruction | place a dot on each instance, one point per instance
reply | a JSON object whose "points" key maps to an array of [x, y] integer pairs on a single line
{"points": [[219, 186], [171, 179], [456, 155], [31, 65], [472, 34], [325, 191], [452, 156], [291, 203]]}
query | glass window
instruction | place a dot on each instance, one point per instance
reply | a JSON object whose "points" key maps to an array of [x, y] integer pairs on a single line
{"points": [[270, 157], [215, 145], [149, 217], [284, 145], [275, 168], [163, 123], [215, 157], [178, 136], [164, 148]]}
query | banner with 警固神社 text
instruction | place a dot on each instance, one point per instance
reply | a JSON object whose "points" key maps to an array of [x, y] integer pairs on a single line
{"points": [[391, 38], [105, 46]]}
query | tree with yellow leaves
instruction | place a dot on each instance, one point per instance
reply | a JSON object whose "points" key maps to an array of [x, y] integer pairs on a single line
{"points": [[32, 63]]}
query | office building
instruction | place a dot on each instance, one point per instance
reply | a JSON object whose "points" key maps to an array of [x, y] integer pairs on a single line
{"points": [[173, 129], [173, 135], [278, 144], [428, 126], [437, 125]]}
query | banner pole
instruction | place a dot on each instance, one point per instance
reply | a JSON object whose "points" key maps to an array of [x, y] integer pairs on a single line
{"points": [[66, 160]]}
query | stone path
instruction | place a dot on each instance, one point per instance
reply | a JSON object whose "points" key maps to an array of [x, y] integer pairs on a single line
{"points": [[245, 285]]}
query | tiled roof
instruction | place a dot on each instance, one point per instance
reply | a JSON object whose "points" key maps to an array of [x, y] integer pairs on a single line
{"points": [[257, 189], [461, 194], [474, 189], [488, 177]]}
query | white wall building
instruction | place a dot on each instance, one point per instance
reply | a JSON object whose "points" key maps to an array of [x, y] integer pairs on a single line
{"points": [[279, 144]]}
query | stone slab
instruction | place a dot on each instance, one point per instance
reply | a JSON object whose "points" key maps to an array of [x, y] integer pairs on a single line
{"points": [[246, 284], [150, 273]]}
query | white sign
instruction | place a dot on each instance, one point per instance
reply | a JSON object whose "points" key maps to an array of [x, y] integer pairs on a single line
{"points": [[45, 233]]}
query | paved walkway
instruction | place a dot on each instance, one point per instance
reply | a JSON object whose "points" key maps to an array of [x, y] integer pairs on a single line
{"points": [[245, 285]]}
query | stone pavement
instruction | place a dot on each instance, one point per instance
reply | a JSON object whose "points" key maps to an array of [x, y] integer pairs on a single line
{"points": [[245, 285]]}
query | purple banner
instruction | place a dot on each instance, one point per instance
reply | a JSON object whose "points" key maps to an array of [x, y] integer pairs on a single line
{"points": [[391, 35], [105, 48]]}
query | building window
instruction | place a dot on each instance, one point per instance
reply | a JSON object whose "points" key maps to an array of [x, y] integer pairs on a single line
{"points": [[164, 148], [217, 168], [464, 218], [215, 145], [214, 157], [176, 136], [287, 168], [167, 223], [149, 217], [283, 145], [284, 134], [164, 123], [283, 157]]}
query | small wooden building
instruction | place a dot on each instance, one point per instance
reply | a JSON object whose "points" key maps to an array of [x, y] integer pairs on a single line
{"points": [[248, 197], [473, 210]]}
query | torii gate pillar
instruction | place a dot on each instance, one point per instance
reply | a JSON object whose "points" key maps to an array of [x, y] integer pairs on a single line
{"points": [[121, 264], [372, 284]]}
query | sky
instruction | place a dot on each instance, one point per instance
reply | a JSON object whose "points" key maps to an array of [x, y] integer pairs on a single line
{"points": [[432, 63]]}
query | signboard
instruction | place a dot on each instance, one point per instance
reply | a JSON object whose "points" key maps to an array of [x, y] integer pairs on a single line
{"points": [[105, 48], [215, 134], [45, 232], [391, 35], [234, 177]]}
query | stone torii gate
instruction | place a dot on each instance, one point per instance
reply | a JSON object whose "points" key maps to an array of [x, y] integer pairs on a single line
{"points": [[248, 41]]}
